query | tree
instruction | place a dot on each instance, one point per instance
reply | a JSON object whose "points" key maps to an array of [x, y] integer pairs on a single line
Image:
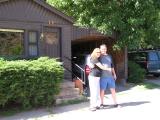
{"points": [[135, 23]]}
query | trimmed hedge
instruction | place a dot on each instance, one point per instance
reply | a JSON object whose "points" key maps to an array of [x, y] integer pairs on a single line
{"points": [[30, 83], [136, 73]]}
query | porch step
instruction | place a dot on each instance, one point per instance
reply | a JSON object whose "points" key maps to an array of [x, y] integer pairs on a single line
{"points": [[68, 93], [67, 84], [71, 100]]}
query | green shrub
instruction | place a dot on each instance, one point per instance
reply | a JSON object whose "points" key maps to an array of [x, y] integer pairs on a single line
{"points": [[30, 83], [9, 58], [136, 73]]}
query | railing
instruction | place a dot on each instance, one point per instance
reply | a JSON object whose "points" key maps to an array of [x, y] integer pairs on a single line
{"points": [[82, 77]]}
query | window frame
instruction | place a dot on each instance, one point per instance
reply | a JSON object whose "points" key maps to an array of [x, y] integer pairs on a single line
{"points": [[22, 40]]}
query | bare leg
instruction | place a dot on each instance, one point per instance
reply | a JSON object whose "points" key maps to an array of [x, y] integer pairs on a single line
{"points": [[113, 92], [102, 95]]}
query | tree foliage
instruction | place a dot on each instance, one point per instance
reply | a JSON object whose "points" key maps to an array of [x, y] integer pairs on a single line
{"points": [[135, 23]]}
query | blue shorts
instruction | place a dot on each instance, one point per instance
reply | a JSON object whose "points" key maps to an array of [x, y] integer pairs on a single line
{"points": [[107, 82]]}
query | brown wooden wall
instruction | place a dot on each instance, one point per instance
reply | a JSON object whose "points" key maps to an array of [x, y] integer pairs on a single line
{"points": [[79, 33], [28, 11], [35, 15]]}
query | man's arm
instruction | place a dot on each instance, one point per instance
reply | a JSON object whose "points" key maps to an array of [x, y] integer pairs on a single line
{"points": [[112, 70], [114, 74]]}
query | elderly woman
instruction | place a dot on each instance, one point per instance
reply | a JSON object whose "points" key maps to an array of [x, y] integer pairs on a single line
{"points": [[94, 79]]}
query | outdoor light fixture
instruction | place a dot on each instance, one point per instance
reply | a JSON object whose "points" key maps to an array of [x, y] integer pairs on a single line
{"points": [[41, 36]]}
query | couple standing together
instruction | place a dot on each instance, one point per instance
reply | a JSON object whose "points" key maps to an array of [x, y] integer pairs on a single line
{"points": [[102, 76]]}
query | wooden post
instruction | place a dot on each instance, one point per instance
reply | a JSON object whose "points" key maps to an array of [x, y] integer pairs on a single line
{"points": [[125, 66]]}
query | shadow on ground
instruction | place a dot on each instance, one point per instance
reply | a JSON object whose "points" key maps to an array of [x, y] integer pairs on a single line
{"points": [[133, 103], [85, 105]]}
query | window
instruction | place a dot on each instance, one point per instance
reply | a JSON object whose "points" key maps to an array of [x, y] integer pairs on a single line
{"points": [[33, 49], [153, 56], [11, 42], [159, 54]]}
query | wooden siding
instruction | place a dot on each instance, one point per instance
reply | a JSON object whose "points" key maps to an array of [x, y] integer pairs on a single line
{"points": [[66, 48], [52, 42], [29, 15], [80, 33], [29, 11]]}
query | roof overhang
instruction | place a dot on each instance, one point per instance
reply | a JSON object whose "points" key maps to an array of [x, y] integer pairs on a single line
{"points": [[93, 38], [50, 8], [82, 35], [54, 10]]}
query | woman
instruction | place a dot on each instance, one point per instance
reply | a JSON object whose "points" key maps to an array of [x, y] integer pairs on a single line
{"points": [[94, 78]]}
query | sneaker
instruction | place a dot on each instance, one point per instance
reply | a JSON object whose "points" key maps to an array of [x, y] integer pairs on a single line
{"points": [[101, 106], [105, 105], [92, 109], [98, 107]]}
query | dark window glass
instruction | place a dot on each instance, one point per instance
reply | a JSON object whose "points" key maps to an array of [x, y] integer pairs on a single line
{"points": [[33, 48], [79, 59], [11, 42]]}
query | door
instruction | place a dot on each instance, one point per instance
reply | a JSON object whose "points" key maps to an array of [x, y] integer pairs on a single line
{"points": [[52, 44]]}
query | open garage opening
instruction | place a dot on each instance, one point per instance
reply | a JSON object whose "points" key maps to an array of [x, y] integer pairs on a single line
{"points": [[85, 45]]}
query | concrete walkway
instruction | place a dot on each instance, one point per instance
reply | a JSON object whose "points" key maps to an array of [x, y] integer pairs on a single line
{"points": [[136, 103]]}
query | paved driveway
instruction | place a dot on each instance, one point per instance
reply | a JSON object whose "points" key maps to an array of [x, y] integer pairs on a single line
{"points": [[151, 79], [136, 103]]}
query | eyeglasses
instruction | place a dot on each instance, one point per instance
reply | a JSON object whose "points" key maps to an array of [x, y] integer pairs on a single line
{"points": [[98, 52]]}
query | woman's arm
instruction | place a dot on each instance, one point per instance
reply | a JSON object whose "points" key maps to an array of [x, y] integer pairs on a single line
{"points": [[102, 66]]}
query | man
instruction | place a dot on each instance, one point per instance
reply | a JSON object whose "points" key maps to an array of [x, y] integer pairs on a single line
{"points": [[108, 78]]}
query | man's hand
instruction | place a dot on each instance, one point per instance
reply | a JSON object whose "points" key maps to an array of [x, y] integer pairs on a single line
{"points": [[114, 74], [115, 77]]}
